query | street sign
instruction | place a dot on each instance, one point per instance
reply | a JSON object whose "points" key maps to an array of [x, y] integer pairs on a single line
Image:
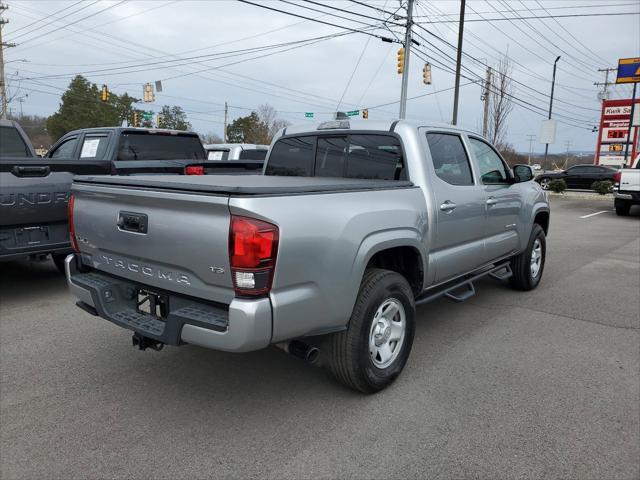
{"points": [[147, 115], [353, 113], [628, 70], [548, 131], [309, 114]]}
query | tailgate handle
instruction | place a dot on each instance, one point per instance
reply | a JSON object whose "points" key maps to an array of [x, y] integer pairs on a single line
{"points": [[133, 222], [20, 171]]}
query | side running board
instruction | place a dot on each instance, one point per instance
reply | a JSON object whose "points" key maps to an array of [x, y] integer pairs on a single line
{"points": [[462, 289]]}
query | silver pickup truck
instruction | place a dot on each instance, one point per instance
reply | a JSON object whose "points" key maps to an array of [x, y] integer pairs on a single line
{"points": [[327, 254]]}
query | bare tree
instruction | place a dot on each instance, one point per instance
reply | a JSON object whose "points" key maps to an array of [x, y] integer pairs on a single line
{"points": [[270, 122], [210, 137], [501, 103]]}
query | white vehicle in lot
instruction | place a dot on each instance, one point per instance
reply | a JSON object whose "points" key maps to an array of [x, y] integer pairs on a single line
{"points": [[626, 189], [236, 151]]}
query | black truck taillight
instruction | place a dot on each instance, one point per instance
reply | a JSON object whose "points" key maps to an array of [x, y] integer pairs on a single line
{"points": [[194, 170], [253, 247], [72, 227]]}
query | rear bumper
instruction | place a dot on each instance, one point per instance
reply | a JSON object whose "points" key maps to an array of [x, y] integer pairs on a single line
{"points": [[633, 197], [242, 326]]}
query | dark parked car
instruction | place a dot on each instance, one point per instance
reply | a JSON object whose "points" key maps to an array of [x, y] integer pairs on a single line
{"points": [[578, 176]]}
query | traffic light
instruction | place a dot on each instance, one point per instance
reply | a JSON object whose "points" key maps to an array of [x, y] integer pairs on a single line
{"points": [[148, 95], [426, 74], [104, 94], [135, 119], [401, 60], [365, 113]]}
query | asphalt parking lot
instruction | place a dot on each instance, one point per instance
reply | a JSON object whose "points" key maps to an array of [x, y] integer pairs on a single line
{"points": [[544, 384]]}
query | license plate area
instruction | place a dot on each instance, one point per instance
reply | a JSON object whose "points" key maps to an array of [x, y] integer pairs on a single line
{"points": [[152, 303], [31, 235]]}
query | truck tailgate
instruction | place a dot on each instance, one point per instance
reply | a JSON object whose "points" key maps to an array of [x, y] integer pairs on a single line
{"points": [[170, 240]]}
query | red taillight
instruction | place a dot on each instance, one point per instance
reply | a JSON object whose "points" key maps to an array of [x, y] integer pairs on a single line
{"points": [[72, 227], [253, 247], [194, 170], [617, 176]]}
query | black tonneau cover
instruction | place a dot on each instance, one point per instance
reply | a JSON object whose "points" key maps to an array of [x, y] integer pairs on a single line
{"points": [[244, 184]]}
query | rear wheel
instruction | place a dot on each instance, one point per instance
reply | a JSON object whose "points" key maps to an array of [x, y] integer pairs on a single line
{"points": [[372, 352], [622, 208], [544, 183], [528, 266]]}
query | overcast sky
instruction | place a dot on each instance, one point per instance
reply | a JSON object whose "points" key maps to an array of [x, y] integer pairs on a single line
{"points": [[126, 43]]}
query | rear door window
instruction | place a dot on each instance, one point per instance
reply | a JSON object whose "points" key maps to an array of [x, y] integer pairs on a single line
{"points": [[292, 156], [94, 146], [65, 149], [12, 144], [450, 159]]}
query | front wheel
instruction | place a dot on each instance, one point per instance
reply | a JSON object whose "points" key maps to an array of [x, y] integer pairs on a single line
{"points": [[528, 266], [372, 352]]}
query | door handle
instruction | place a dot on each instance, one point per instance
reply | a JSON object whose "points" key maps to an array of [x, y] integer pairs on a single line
{"points": [[448, 206], [491, 201]]}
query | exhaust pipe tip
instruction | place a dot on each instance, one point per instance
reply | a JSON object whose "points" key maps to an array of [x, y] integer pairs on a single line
{"points": [[301, 350]]}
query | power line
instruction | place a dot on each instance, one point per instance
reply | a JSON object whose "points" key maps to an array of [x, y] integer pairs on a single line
{"points": [[353, 30], [610, 14], [44, 18]]}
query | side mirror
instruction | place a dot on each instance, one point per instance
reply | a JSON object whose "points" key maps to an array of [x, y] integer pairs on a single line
{"points": [[523, 173]]}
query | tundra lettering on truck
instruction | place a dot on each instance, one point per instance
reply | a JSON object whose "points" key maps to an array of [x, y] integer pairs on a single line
{"points": [[327, 254], [33, 198], [164, 275]]}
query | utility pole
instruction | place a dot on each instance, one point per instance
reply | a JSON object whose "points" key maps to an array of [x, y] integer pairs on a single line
{"points": [[603, 95], [486, 97], [553, 83], [405, 68], [566, 158], [630, 129], [224, 131], [531, 139], [456, 92], [3, 83]]}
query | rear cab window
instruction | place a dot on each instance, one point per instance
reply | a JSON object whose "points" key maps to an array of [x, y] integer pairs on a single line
{"points": [[12, 144], [358, 155], [142, 145], [257, 154]]}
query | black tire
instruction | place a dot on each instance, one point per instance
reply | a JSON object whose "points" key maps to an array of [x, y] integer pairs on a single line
{"points": [[350, 359], [523, 278], [58, 259], [622, 208]]}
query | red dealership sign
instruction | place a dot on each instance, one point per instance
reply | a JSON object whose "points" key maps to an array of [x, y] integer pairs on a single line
{"points": [[612, 135]]}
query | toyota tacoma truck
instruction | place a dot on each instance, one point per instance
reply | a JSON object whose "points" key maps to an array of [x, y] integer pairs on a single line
{"points": [[352, 225]]}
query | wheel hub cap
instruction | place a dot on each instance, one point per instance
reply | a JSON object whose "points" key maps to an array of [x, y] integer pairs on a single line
{"points": [[387, 333], [536, 258]]}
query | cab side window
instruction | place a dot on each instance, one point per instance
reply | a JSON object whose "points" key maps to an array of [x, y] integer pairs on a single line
{"points": [[450, 158], [65, 149], [492, 168]]}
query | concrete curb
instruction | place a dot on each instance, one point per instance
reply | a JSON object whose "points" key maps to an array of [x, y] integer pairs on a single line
{"points": [[583, 195]]}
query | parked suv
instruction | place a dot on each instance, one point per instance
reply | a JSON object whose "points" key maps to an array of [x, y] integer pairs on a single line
{"points": [[353, 225]]}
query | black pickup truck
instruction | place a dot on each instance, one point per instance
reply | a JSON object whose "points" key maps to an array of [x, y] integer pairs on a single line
{"points": [[34, 191]]}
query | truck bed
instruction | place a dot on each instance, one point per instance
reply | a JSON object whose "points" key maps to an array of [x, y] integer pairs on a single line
{"points": [[243, 185]]}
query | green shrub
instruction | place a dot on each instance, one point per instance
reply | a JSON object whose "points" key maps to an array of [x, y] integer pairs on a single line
{"points": [[558, 185], [602, 187]]}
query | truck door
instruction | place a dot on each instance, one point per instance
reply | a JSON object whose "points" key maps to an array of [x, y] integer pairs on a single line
{"points": [[460, 207], [503, 200]]}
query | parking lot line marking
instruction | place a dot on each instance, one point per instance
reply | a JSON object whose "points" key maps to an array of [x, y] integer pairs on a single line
{"points": [[592, 214]]}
